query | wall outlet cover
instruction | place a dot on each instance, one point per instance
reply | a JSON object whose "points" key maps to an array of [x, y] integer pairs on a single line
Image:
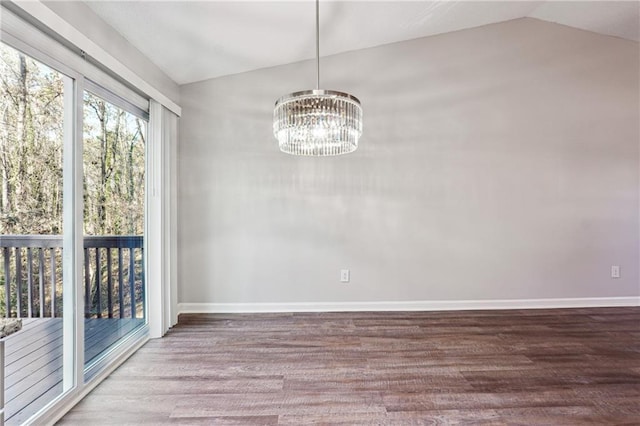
{"points": [[615, 271]]}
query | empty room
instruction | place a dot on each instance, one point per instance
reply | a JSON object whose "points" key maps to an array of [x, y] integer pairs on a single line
{"points": [[319, 212]]}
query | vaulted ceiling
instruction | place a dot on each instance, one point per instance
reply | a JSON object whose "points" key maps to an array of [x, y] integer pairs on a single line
{"points": [[196, 40]]}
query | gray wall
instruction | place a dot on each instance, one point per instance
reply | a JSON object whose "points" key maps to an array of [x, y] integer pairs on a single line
{"points": [[496, 163]]}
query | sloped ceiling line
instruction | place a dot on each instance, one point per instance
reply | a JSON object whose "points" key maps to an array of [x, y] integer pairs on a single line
{"points": [[197, 40]]}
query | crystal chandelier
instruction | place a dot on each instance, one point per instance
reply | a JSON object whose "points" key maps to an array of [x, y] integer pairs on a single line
{"points": [[317, 122]]}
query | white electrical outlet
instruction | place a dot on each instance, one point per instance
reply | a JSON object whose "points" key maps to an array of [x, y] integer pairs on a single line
{"points": [[615, 271], [344, 275]]}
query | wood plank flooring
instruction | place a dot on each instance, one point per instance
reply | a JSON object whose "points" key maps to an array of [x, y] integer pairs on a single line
{"points": [[552, 367]]}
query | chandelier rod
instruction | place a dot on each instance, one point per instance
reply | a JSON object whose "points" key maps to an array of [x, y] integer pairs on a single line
{"points": [[318, 44]]}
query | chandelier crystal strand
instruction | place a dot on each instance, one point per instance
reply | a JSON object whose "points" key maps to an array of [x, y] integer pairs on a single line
{"points": [[317, 122]]}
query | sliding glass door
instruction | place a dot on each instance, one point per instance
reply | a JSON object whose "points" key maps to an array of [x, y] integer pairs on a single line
{"points": [[73, 153], [35, 294], [114, 140]]}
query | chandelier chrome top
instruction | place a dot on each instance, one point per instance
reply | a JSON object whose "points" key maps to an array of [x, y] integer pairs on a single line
{"points": [[317, 122]]}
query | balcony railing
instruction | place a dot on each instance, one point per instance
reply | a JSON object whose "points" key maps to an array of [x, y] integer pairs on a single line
{"points": [[31, 276]]}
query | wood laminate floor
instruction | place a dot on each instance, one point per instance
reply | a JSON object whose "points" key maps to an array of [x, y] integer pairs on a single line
{"points": [[551, 367]]}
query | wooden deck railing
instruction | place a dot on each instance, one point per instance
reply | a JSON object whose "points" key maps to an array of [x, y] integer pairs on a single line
{"points": [[31, 276]]}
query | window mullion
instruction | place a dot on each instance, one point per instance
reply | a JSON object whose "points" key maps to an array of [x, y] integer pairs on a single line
{"points": [[73, 347]]}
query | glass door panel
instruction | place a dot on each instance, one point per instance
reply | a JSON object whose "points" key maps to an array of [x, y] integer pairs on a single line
{"points": [[114, 208], [32, 135]]}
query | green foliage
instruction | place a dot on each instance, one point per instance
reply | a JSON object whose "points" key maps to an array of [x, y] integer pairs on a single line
{"points": [[31, 160], [114, 145], [31, 142], [31, 110]]}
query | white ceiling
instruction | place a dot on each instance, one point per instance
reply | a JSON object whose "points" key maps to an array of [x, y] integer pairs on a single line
{"points": [[196, 40]]}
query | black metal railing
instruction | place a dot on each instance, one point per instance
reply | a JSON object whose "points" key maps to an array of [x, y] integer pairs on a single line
{"points": [[31, 276]]}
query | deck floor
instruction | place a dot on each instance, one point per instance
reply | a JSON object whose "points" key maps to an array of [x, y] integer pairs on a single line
{"points": [[33, 360]]}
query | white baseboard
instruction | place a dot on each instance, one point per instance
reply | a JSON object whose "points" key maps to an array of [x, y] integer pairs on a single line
{"points": [[425, 305]]}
